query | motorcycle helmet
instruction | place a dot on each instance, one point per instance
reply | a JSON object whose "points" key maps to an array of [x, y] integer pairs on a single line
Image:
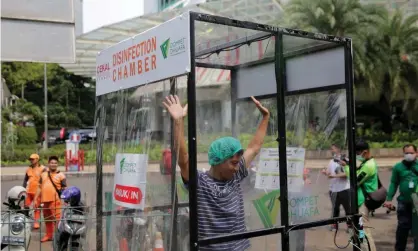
{"points": [[16, 195], [71, 195]]}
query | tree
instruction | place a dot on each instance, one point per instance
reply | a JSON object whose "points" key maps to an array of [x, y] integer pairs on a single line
{"points": [[400, 43], [70, 103], [22, 111], [384, 44], [398, 40], [348, 18]]}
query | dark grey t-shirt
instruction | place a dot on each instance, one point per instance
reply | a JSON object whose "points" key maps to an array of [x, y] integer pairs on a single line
{"points": [[221, 209]]}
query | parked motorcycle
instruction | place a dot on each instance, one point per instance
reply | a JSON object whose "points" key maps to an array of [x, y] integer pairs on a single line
{"points": [[16, 222], [72, 228]]}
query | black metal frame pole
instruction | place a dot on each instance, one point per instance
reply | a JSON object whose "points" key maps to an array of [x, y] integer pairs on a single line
{"points": [[234, 86], [281, 122], [101, 117], [191, 99], [172, 243], [351, 132]]}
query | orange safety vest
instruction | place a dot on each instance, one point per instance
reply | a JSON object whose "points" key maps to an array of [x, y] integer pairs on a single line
{"points": [[34, 174], [48, 191]]}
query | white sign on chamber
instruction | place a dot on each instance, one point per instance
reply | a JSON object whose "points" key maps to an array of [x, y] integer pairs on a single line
{"points": [[268, 172], [130, 180], [156, 54]]}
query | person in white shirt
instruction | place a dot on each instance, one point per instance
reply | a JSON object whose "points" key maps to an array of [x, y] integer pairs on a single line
{"points": [[339, 188]]}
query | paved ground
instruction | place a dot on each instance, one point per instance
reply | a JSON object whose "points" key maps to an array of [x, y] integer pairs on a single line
{"points": [[319, 239], [17, 173]]}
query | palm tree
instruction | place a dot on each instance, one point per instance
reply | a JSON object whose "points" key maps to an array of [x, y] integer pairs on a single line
{"points": [[385, 44], [348, 18], [400, 41]]}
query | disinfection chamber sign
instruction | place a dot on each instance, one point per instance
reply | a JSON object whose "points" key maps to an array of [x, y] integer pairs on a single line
{"points": [[130, 180], [156, 54]]}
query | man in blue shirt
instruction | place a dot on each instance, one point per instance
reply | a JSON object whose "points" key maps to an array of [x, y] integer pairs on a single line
{"points": [[220, 200]]}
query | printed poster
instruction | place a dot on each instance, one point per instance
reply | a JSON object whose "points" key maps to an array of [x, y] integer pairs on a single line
{"points": [[268, 171], [130, 180]]}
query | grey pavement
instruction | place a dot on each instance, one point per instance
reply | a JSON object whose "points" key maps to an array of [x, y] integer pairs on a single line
{"points": [[318, 239], [18, 172]]}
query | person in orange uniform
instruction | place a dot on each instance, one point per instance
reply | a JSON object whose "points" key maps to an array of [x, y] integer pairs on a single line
{"points": [[51, 183], [31, 181]]}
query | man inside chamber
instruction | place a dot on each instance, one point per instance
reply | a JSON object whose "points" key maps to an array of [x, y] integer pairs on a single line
{"points": [[219, 194]]}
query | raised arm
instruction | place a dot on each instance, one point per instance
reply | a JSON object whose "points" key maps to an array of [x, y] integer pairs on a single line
{"points": [[257, 141], [178, 113]]}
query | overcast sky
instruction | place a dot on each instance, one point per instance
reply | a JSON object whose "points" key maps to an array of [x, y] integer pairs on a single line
{"points": [[97, 13]]}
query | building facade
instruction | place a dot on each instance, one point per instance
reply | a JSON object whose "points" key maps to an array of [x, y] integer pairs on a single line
{"points": [[155, 6]]}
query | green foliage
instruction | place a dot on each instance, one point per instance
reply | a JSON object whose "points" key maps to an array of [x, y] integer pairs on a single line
{"points": [[9, 137], [385, 45], [349, 18], [26, 135], [20, 74], [70, 103], [400, 48], [22, 111], [312, 141]]}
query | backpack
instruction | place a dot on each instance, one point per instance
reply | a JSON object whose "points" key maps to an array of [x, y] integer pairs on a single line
{"points": [[375, 200]]}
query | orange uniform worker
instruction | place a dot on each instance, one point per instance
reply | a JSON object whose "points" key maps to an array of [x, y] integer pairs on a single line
{"points": [[51, 183], [31, 181]]}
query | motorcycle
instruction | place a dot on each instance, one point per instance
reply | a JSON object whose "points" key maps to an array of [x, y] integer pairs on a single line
{"points": [[71, 230], [16, 222]]}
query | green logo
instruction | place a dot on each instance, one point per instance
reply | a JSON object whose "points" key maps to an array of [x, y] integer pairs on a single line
{"points": [[268, 207], [121, 165], [125, 167], [164, 48]]}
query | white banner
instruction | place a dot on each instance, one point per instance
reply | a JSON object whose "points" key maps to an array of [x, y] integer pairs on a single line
{"points": [[130, 180], [268, 171], [156, 54]]}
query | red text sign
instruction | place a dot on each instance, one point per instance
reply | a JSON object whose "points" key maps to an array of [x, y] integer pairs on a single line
{"points": [[103, 68], [126, 194]]}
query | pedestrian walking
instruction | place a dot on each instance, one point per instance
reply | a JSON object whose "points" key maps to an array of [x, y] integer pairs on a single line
{"points": [[404, 176], [368, 184], [30, 182], [339, 185], [51, 183]]}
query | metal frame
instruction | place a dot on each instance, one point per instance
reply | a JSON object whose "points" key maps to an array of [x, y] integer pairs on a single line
{"points": [[279, 59]]}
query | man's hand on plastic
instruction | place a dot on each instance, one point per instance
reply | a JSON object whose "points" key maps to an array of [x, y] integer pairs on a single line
{"points": [[260, 107], [173, 106]]}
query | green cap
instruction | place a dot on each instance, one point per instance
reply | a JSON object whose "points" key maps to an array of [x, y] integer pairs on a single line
{"points": [[223, 149]]}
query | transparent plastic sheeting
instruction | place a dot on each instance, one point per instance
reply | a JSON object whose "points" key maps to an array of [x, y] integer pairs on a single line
{"points": [[137, 130], [136, 123], [136, 157], [313, 122]]}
